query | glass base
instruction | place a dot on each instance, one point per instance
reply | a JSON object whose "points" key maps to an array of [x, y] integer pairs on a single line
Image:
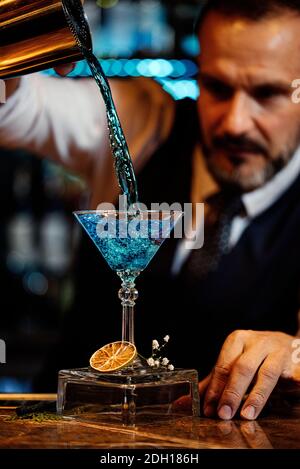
{"points": [[128, 397]]}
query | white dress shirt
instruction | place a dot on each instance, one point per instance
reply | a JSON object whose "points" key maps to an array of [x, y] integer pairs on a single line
{"points": [[64, 119]]}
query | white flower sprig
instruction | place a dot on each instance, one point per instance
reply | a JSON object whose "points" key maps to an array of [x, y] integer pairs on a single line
{"points": [[157, 360]]}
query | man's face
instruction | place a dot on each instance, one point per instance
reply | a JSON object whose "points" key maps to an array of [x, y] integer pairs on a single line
{"points": [[250, 126]]}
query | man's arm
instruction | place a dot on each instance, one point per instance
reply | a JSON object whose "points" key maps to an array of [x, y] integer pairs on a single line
{"points": [[65, 120], [54, 118]]}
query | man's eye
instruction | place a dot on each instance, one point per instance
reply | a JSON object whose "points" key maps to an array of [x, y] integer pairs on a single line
{"points": [[217, 89], [266, 92]]}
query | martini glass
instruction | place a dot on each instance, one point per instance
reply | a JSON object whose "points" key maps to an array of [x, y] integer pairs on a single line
{"points": [[128, 241], [136, 393]]}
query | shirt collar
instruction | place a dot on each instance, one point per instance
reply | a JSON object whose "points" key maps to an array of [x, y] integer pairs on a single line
{"points": [[257, 201]]}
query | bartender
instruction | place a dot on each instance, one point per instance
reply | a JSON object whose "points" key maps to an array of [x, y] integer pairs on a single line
{"points": [[230, 308]]}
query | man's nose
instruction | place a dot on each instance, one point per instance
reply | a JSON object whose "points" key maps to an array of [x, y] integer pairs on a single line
{"points": [[238, 115]]}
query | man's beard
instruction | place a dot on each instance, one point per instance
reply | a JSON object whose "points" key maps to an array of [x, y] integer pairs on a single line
{"points": [[248, 183], [255, 179]]}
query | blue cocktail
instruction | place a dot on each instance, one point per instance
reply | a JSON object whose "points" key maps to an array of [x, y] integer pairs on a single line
{"points": [[128, 241]]}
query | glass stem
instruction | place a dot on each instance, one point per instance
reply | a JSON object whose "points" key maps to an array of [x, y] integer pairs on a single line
{"points": [[128, 294]]}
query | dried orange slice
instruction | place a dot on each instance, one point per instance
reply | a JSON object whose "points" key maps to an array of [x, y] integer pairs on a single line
{"points": [[113, 356]]}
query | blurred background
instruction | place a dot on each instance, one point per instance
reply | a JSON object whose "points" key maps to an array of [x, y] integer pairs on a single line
{"points": [[38, 235]]}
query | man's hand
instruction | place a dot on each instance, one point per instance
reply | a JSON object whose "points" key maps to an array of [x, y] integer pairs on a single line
{"points": [[63, 70], [248, 357], [10, 86]]}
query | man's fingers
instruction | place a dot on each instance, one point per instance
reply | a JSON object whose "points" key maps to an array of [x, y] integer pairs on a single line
{"points": [[231, 350], [245, 355], [267, 378], [63, 70], [241, 376], [202, 385]]}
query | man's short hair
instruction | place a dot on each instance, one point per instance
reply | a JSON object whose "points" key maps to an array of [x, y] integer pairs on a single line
{"points": [[248, 9]]}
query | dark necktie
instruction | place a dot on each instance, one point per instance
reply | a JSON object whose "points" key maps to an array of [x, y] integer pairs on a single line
{"points": [[223, 209]]}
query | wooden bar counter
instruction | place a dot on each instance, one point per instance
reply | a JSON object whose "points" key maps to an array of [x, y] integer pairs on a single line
{"points": [[278, 428]]}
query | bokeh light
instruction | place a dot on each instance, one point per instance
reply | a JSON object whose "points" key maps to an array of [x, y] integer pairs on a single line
{"points": [[106, 3]]}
